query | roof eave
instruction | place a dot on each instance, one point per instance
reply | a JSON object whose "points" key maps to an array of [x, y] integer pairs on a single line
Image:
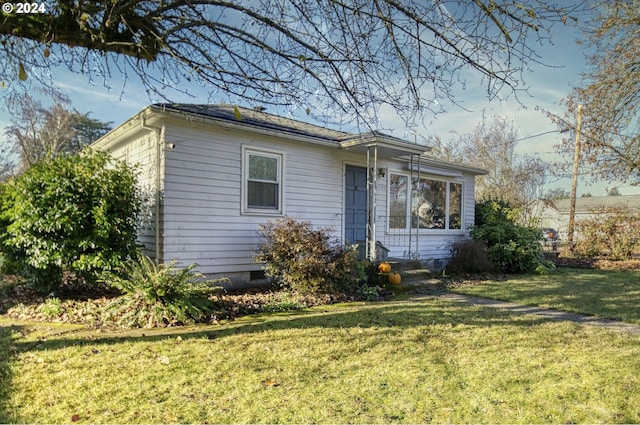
{"points": [[240, 125], [387, 146]]}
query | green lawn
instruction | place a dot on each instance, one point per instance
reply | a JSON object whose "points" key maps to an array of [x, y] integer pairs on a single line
{"points": [[608, 294], [419, 361]]}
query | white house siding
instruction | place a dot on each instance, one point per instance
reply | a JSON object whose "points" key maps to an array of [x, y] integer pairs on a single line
{"points": [[140, 149], [203, 222]]}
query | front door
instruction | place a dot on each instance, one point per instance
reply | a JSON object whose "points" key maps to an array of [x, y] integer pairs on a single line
{"points": [[355, 207]]}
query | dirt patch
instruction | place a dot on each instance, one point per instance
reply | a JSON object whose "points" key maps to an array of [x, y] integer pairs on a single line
{"points": [[585, 263]]}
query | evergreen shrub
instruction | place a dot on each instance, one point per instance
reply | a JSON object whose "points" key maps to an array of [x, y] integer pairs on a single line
{"points": [[74, 213], [511, 247], [156, 295]]}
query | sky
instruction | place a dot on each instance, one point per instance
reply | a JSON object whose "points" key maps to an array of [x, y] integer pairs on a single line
{"points": [[564, 62]]}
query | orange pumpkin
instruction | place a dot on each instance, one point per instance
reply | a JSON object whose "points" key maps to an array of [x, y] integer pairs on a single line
{"points": [[384, 267], [395, 278]]}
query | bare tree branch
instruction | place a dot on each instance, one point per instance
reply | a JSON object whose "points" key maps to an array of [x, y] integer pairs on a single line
{"points": [[340, 59], [610, 95]]}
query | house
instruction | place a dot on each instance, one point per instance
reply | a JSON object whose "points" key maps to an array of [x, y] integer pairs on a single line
{"points": [[555, 213], [214, 173]]}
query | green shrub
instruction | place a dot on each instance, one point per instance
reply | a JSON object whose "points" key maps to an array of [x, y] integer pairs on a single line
{"points": [[614, 234], [371, 276], [306, 260], [158, 295], [74, 213], [51, 308], [511, 247], [282, 304], [470, 256]]}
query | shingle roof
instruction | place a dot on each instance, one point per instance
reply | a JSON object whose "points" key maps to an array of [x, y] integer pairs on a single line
{"points": [[255, 118]]}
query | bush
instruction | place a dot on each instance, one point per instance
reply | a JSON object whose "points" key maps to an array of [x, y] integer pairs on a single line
{"points": [[51, 308], [306, 260], [158, 295], [470, 257], [512, 248], [74, 213], [612, 234]]}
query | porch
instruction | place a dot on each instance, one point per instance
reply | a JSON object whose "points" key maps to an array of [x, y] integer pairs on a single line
{"points": [[361, 191]]}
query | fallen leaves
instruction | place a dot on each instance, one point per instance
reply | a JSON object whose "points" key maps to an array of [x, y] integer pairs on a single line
{"points": [[270, 383], [22, 73]]}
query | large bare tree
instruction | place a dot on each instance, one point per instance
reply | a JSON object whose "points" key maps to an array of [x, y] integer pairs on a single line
{"points": [[37, 132], [513, 178], [331, 58], [610, 95]]}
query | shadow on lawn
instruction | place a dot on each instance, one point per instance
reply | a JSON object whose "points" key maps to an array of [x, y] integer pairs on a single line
{"points": [[606, 294], [6, 347], [384, 317]]}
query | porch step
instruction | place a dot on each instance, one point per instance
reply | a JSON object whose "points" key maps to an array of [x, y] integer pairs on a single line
{"points": [[403, 265], [413, 273], [416, 276]]}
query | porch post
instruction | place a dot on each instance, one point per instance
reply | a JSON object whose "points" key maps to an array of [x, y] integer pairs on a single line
{"points": [[372, 177], [414, 163]]}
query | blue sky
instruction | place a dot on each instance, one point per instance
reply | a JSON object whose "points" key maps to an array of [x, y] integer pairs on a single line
{"points": [[547, 86]]}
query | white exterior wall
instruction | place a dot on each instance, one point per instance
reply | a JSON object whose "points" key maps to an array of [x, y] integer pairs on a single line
{"points": [[202, 213], [140, 149], [203, 220]]}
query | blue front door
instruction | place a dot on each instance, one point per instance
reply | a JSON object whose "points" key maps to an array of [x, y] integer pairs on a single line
{"points": [[355, 206]]}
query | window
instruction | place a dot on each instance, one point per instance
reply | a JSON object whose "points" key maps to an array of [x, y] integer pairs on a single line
{"points": [[262, 181], [434, 204], [429, 202], [455, 205]]}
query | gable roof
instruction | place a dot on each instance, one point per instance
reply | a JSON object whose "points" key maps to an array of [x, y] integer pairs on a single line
{"points": [[253, 118], [598, 203], [233, 116]]}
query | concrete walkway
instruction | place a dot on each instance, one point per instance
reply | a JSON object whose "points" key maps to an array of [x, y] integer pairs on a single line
{"points": [[629, 328]]}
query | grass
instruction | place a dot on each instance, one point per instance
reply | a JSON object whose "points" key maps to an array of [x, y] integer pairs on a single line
{"points": [[607, 294], [415, 361]]}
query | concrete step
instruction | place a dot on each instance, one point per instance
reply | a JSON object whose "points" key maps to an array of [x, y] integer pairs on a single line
{"points": [[404, 265], [418, 277], [413, 277]]}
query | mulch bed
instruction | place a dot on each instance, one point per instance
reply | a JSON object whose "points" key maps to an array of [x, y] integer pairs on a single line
{"points": [[82, 303]]}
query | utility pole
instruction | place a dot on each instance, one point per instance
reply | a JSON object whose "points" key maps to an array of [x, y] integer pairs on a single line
{"points": [[574, 180]]}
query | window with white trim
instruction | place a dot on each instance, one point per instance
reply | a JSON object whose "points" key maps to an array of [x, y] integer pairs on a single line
{"points": [[262, 181], [432, 203]]}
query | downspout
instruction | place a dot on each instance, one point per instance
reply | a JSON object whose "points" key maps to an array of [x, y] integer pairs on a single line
{"points": [[158, 168]]}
